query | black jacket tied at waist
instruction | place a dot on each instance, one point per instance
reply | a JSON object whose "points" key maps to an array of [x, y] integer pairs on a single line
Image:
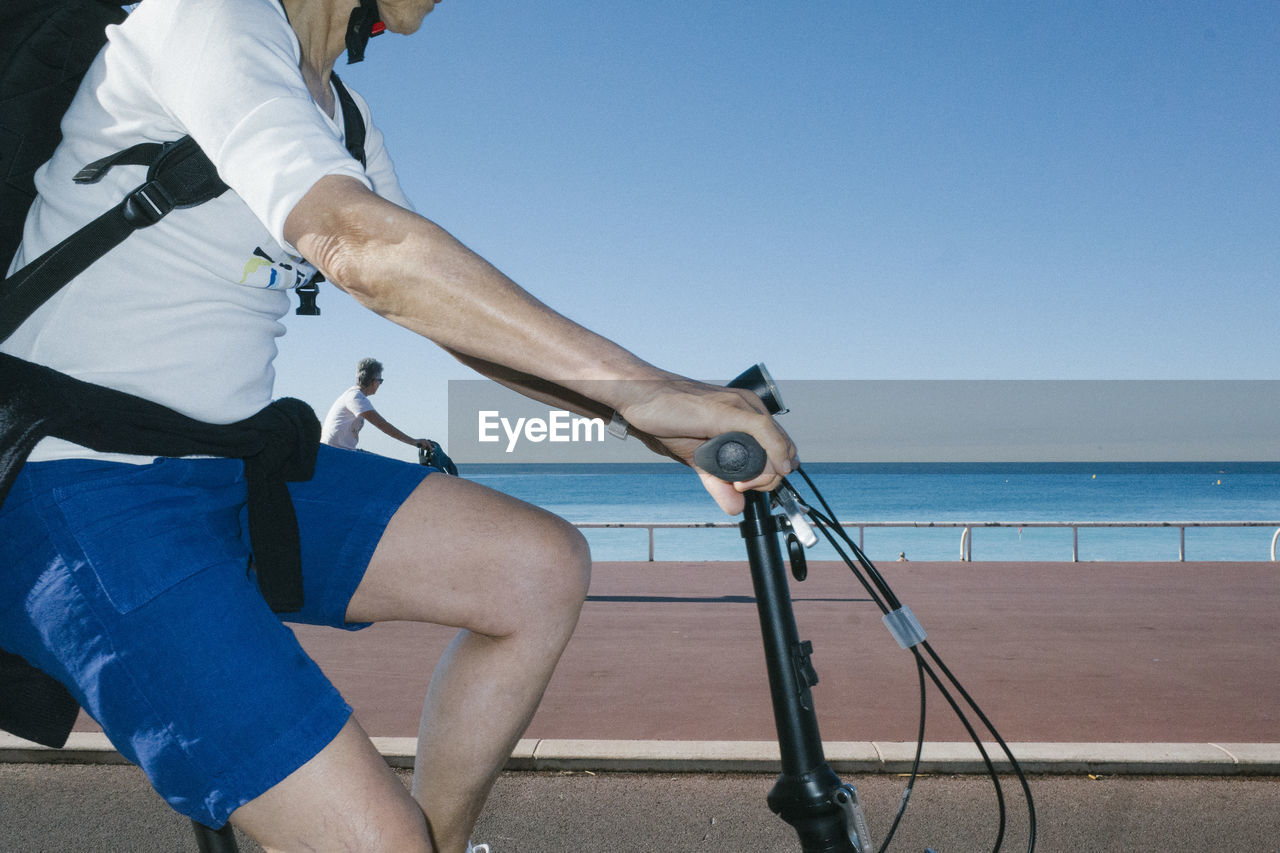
{"points": [[278, 445]]}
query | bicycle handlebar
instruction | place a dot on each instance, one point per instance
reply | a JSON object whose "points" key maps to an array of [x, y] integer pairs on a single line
{"points": [[732, 457], [736, 456]]}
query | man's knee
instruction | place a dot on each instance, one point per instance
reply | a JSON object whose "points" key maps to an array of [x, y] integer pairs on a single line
{"points": [[580, 563], [556, 569]]}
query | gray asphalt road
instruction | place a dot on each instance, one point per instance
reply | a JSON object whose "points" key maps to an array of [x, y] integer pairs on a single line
{"points": [[56, 808]]}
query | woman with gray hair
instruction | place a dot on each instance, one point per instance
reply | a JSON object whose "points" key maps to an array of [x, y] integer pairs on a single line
{"points": [[349, 412]]}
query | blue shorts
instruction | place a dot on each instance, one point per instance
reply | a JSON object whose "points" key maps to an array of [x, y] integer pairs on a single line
{"points": [[130, 585]]}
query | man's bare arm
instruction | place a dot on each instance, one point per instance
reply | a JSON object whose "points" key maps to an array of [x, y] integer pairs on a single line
{"points": [[409, 270]]}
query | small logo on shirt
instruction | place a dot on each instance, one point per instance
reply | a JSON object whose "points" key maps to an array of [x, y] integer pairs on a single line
{"points": [[262, 270]]}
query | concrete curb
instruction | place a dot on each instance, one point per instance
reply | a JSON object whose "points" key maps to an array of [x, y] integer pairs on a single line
{"points": [[860, 757]]}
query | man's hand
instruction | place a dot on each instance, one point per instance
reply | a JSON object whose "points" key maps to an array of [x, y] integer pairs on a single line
{"points": [[674, 417]]}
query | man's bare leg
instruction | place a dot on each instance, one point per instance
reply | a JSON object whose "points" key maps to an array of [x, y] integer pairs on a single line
{"points": [[345, 798], [516, 583], [513, 578]]}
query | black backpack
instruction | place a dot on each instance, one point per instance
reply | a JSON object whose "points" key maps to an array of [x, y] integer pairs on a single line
{"points": [[46, 46]]}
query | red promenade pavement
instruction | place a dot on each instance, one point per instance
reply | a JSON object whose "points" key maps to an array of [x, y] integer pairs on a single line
{"points": [[1054, 652], [1078, 656]]}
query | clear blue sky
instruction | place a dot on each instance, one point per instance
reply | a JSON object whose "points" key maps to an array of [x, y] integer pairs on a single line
{"points": [[843, 190]]}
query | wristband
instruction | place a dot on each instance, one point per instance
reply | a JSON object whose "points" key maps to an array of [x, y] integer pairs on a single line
{"points": [[617, 426]]}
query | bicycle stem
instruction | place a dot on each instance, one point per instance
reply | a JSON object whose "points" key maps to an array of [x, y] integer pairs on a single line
{"points": [[808, 795]]}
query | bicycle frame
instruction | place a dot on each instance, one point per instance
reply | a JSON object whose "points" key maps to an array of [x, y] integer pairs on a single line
{"points": [[215, 840], [808, 795]]}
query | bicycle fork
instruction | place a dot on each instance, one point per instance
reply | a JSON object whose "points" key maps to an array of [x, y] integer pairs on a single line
{"points": [[824, 812]]}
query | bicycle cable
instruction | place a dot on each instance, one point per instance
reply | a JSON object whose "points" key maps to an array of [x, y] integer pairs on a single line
{"points": [[884, 598]]}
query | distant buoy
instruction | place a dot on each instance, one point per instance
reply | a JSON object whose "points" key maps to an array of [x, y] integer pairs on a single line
{"points": [[1095, 476]]}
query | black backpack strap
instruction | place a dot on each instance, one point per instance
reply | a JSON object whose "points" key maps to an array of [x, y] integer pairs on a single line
{"points": [[352, 122], [180, 175], [142, 154], [353, 132]]}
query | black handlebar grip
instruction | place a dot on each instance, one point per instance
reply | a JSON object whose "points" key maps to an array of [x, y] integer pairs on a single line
{"points": [[732, 457]]}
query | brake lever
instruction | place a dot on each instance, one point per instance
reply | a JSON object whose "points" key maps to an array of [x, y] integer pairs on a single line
{"points": [[789, 502]]}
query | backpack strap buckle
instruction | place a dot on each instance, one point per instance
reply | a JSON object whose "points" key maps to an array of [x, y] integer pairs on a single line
{"points": [[147, 205], [179, 175]]}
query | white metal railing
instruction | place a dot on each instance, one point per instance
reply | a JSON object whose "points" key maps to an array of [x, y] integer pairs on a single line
{"points": [[966, 528]]}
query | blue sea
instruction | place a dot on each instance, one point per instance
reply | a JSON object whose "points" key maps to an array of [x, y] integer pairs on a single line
{"points": [[975, 493]]}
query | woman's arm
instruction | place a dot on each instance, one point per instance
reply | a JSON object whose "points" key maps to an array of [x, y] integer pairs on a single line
{"points": [[386, 426]]}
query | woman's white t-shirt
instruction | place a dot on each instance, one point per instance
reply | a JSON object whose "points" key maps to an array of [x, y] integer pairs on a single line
{"points": [[341, 426], [186, 312]]}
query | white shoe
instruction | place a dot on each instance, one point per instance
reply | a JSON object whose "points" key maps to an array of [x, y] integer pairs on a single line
{"points": [[477, 848]]}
